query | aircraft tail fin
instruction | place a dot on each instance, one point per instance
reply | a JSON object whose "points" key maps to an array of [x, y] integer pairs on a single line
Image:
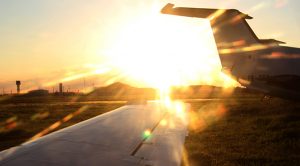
{"points": [[229, 25], [230, 29]]}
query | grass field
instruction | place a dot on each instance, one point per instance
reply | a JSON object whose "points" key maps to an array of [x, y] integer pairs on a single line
{"points": [[245, 132], [225, 132], [20, 122]]}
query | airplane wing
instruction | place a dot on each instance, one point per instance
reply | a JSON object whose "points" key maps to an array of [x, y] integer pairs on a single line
{"points": [[130, 135]]}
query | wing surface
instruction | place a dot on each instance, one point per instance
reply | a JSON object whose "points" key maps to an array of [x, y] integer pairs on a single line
{"points": [[114, 138]]}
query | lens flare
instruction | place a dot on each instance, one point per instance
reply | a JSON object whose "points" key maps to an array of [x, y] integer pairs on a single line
{"points": [[9, 124], [163, 122], [162, 51], [58, 123], [147, 134], [206, 116]]}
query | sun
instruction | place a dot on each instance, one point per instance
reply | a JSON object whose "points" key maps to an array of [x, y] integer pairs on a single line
{"points": [[161, 51]]}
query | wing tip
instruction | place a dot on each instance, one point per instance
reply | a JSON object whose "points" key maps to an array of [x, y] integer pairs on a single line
{"points": [[167, 8]]}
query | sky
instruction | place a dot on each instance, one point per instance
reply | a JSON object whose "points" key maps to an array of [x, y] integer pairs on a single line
{"points": [[50, 41]]}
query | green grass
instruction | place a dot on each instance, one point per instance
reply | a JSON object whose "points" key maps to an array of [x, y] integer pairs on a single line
{"points": [[247, 133], [20, 122], [228, 132]]}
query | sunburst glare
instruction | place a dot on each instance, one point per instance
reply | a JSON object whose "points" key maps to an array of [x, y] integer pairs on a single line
{"points": [[163, 51]]}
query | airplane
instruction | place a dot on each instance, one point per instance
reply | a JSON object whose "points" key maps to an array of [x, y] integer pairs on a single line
{"points": [[151, 135], [260, 64], [132, 135]]}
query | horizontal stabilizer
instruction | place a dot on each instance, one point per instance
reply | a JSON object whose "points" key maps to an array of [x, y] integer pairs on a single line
{"points": [[200, 12], [271, 41]]}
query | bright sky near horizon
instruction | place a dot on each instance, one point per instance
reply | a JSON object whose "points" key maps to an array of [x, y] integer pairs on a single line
{"points": [[43, 42]]}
